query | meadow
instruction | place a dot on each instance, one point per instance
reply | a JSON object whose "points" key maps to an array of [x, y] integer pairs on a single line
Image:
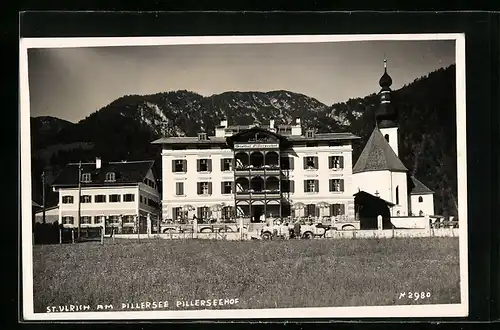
{"points": [[260, 274]]}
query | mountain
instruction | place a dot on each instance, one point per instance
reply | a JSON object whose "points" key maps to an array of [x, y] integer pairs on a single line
{"points": [[125, 128]]}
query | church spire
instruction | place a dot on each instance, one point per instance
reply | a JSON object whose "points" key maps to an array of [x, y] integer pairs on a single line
{"points": [[385, 115]]}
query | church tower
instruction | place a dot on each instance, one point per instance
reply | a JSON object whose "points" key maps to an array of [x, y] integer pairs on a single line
{"points": [[386, 115]]}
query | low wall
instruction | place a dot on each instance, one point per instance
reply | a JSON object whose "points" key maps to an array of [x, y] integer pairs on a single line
{"points": [[331, 234], [411, 222]]}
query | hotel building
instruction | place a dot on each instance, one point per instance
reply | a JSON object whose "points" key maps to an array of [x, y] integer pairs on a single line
{"points": [[257, 172]]}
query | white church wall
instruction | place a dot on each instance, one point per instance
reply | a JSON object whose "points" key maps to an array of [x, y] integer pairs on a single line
{"points": [[410, 222], [424, 203], [399, 193], [373, 182]]}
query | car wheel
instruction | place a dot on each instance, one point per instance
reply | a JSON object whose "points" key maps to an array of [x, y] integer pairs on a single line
{"points": [[206, 230], [266, 235], [307, 235]]}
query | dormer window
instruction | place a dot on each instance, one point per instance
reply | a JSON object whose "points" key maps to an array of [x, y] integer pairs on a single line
{"points": [[202, 137], [310, 134], [86, 177], [110, 177]]}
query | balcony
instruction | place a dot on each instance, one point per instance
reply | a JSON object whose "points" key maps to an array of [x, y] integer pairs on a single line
{"points": [[268, 169], [258, 195]]}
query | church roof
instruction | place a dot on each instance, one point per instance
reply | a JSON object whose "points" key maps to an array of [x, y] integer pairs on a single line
{"points": [[419, 188], [378, 156]]}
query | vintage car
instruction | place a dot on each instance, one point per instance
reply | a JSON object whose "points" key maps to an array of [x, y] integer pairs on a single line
{"points": [[302, 229]]}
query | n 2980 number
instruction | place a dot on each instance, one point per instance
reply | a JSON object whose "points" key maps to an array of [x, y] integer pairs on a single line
{"points": [[414, 295]]}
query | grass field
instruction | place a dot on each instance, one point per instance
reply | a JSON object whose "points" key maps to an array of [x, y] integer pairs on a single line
{"points": [[261, 274]]}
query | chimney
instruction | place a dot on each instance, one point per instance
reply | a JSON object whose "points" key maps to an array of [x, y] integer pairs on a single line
{"points": [[98, 163], [271, 123]]}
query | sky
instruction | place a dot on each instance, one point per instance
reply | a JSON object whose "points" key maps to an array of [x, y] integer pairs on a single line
{"points": [[71, 83]]}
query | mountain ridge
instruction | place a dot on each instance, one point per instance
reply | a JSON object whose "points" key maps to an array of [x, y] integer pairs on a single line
{"points": [[125, 127]]}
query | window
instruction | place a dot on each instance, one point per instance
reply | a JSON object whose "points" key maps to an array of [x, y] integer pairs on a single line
{"points": [[204, 165], [226, 187], [128, 219], [336, 162], [110, 177], [152, 203], [398, 213], [113, 219], [202, 136], [100, 198], [98, 219], [128, 197], [421, 213], [336, 184], [86, 177], [226, 164], [311, 185], [287, 186], [337, 209], [203, 212], [179, 188], [68, 220], [86, 220], [67, 199], [86, 199], [179, 165], [310, 134], [227, 212], [420, 199], [115, 198], [311, 162], [204, 188], [310, 210], [386, 137], [142, 200], [397, 195], [177, 213], [150, 183]]}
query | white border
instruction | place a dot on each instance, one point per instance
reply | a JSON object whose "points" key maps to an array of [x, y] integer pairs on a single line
{"points": [[418, 311]]}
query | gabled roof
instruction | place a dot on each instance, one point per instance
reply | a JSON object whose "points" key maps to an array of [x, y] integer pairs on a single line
{"points": [[419, 188], [378, 156], [126, 173], [256, 129], [363, 195], [190, 140]]}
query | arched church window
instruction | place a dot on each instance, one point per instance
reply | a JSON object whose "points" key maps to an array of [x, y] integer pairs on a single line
{"points": [[398, 213], [387, 137], [421, 213], [397, 195], [420, 199]]}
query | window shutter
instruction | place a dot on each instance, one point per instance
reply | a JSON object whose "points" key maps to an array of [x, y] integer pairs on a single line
{"points": [[315, 162], [198, 187], [305, 186], [330, 184], [290, 161], [316, 185], [331, 210], [233, 187], [198, 165], [305, 162], [341, 161], [222, 164], [222, 186], [184, 165], [330, 162], [233, 163], [316, 211], [210, 188], [209, 165], [341, 184], [173, 165], [199, 212], [181, 188], [342, 209], [292, 186]]}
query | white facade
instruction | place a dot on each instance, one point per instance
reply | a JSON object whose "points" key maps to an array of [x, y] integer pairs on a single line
{"points": [[124, 202], [189, 179], [422, 204], [388, 185], [392, 137]]}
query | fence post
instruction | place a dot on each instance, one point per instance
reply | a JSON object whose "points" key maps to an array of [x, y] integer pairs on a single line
{"points": [[103, 228], [60, 234], [72, 235], [195, 228], [379, 223], [148, 224], [241, 228]]}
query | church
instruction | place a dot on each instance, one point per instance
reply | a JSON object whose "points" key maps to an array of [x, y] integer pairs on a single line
{"points": [[380, 174]]}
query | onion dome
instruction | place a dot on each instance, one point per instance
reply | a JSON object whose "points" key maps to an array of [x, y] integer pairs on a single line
{"points": [[386, 114], [386, 80]]}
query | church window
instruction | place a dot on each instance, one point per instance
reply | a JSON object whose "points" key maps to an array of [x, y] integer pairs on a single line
{"points": [[387, 137], [421, 213], [420, 199], [398, 213], [397, 195]]}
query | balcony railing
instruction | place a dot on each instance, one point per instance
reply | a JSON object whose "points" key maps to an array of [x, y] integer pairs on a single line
{"points": [[261, 194]]}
